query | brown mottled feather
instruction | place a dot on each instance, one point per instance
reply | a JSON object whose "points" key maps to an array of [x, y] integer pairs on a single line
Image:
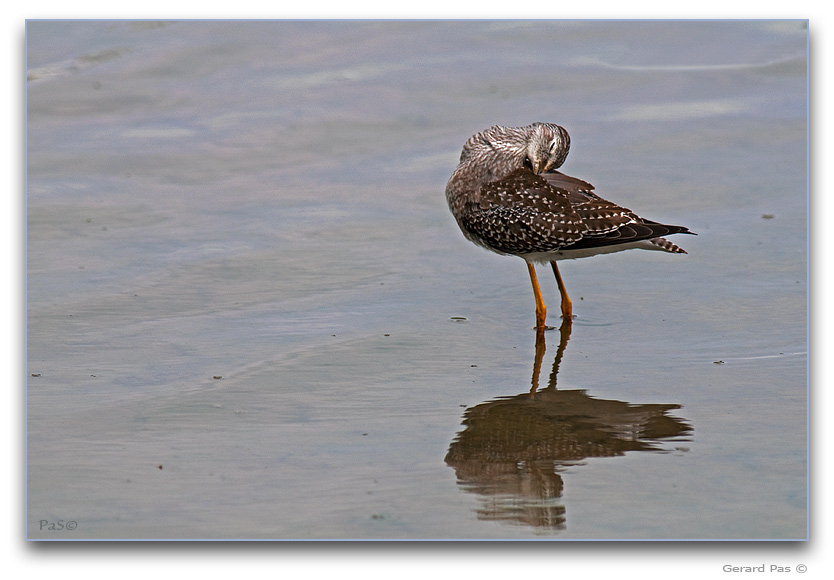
{"points": [[501, 204]]}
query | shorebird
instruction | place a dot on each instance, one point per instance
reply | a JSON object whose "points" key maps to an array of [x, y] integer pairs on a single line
{"points": [[507, 196]]}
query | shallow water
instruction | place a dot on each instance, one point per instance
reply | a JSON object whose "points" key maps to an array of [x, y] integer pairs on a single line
{"points": [[250, 313]]}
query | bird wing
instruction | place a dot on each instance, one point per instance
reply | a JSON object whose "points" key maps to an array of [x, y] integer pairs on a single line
{"points": [[526, 213], [608, 223], [599, 215], [521, 213]]}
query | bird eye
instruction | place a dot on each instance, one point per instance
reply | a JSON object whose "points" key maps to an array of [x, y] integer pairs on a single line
{"points": [[553, 146]]}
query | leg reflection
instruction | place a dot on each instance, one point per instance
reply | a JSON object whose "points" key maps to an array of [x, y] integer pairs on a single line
{"points": [[564, 337]]}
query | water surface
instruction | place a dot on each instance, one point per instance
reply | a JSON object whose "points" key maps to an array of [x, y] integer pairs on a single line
{"points": [[250, 313]]}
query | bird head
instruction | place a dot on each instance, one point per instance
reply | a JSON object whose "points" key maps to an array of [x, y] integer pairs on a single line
{"points": [[547, 146]]}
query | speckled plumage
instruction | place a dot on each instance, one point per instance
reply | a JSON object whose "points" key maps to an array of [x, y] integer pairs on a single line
{"points": [[507, 196]]}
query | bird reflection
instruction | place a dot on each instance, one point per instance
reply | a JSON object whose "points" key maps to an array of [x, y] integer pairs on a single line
{"points": [[513, 449]]}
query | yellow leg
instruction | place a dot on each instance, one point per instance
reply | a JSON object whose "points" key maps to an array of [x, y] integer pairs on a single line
{"points": [[567, 307], [541, 311]]}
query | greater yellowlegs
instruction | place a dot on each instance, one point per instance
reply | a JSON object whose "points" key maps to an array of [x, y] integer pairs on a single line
{"points": [[507, 196]]}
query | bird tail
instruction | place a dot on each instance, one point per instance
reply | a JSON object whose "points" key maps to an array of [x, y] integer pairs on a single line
{"points": [[667, 246]]}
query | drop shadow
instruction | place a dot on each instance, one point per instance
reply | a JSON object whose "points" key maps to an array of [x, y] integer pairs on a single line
{"points": [[513, 450]]}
